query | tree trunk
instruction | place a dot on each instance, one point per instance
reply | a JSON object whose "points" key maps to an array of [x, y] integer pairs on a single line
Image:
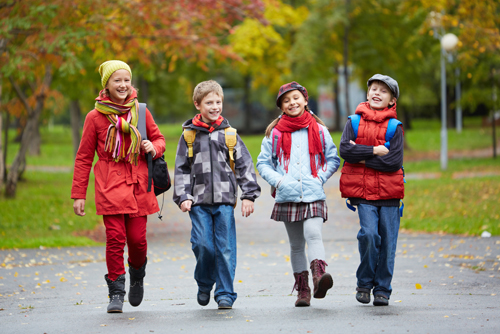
{"points": [[338, 121], [33, 118], [493, 120], [143, 90], [2, 161], [36, 142], [246, 104], [75, 117], [2, 164], [5, 146], [346, 59]]}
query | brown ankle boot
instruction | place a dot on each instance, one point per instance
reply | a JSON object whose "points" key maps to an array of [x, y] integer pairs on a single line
{"points": [[322, 280], [302, 287]]}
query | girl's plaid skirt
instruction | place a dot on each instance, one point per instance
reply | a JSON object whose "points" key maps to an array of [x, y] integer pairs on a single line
{"points": [[293, 212]]}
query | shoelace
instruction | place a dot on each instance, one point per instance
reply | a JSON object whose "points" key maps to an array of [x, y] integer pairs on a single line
{"points": [[300, 286]]}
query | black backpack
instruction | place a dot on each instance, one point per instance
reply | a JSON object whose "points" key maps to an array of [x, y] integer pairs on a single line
{"points": [[157, 169]]}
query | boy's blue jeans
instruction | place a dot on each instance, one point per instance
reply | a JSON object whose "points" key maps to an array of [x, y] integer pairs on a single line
{"points": [[377, 240], [213, 239]]}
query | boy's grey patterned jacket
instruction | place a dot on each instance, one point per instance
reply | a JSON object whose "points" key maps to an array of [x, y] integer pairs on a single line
{"points": [[208, 178]]}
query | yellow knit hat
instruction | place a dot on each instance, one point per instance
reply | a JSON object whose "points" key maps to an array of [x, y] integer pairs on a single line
{"points": [[109, 67]]}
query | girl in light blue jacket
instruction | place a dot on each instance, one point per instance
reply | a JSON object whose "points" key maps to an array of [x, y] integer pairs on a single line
{"points": [[297, 157]]}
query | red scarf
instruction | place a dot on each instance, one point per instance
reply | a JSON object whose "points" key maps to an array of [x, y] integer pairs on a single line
{"points": [[287, 125], [214, 125]]}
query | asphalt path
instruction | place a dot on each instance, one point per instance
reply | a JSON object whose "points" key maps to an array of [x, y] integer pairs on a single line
{"points": [[442, 283]]}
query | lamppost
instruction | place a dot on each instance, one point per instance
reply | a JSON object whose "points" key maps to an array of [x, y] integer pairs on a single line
{"points": [[448, 43]]}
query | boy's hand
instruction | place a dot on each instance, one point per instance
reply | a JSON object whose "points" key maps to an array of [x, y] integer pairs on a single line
{"points": [[246, 207], [79, 207], [148, 147], [186, 205], [380, 150]]}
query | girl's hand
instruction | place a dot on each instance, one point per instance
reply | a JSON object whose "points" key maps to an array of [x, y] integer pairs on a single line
{"points": [[352, 142], [186, 205], [79, 207], [246, 207], [148, 147]]}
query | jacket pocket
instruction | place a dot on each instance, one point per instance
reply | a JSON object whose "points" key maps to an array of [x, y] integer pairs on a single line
{"points": [[391, 185], [101, 170], [280, 182], [232, 182]]}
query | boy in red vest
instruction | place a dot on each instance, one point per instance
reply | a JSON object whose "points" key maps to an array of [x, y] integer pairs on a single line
{"points": [[372, 180]]}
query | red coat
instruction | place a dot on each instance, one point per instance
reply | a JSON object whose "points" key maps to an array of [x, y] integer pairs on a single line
{"points": [[359, 181], [120, 187]]}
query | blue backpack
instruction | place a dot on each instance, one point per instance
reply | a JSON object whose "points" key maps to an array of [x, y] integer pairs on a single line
{"points": [[389, 134], [391, 128]]}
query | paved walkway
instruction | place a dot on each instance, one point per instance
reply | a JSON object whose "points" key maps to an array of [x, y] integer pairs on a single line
{"points": [[442, 284]]}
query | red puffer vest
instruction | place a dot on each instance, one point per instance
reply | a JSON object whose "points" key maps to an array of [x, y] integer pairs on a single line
{"points": [[360, 181]]}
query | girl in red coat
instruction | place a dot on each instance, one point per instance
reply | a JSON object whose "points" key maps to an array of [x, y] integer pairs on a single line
{"points": [[121, 178]]}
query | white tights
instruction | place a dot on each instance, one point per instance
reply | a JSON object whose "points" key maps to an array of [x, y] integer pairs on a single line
{"points": [[302, 232]]}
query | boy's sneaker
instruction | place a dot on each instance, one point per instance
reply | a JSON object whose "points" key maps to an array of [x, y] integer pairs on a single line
{"points": [[363, 295], [225, 304], [380, 300], [203, 298]]}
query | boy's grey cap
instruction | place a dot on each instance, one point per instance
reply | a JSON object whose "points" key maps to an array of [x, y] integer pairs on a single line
{"points": [[390, 82]]}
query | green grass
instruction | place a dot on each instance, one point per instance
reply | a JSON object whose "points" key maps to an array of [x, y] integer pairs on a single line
{"points": [[42, 213], [429, 139], [464, 206], [472, 165]]}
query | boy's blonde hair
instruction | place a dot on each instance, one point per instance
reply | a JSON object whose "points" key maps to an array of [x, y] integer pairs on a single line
{"points": [[206, 87]]}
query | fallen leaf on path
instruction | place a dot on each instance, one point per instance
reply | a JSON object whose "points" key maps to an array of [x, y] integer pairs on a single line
{"points": [[131, 318], [418, 286]]}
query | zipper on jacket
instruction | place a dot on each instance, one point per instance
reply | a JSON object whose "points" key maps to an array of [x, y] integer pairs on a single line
{"points": [[232, 183], [193, 183], [211, 166]]}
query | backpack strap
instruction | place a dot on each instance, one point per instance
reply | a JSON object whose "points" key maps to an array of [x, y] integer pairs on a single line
{"points": [[275, 137], [231, 139], [141, 126], [141, 123], [322, 138], [189, 137], [355, 119], [391, 130]]}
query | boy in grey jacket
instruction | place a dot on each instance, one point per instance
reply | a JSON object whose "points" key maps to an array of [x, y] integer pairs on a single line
{"points": [[206, 187]]}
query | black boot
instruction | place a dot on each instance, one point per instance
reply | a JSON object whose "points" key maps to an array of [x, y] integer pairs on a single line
{"points": [[136, 291], [116, 293]]}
